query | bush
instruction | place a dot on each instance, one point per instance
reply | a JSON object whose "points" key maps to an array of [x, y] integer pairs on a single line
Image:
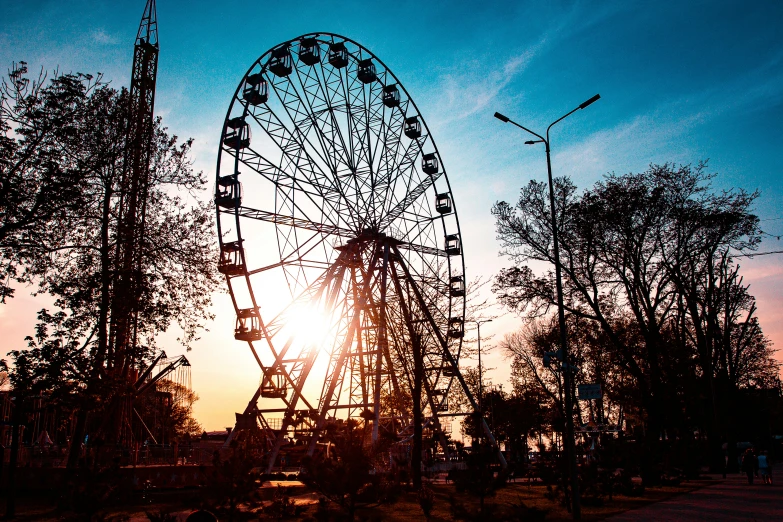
{"points": [[426, 500]]}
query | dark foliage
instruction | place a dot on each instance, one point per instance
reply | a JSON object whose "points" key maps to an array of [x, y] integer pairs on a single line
{"points": [[658, 313]]}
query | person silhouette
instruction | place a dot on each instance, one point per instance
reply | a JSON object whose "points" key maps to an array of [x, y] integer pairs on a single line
{"points": [[749, 464]]}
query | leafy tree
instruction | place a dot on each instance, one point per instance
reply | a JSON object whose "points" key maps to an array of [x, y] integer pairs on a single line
{"points": [[40, 182], [646, 260], [64, 162], [167, 411]]}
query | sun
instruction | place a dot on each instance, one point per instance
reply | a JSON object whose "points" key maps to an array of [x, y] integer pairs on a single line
{"points": [[308, 325]]}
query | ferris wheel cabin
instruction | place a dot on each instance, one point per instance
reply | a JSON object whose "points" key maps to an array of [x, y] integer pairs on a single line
{"points": [[391, 96], [429, 163], [248, 327], [367, 73], [413, 127], [230, 262], [443, 203], [229, 192], [237, 133], [256, 90], [456, 327], [275, 388], [338, 55], [442, 404], [280, 63], [448, 371], [309, 51], [457, 286], [453, 247]]}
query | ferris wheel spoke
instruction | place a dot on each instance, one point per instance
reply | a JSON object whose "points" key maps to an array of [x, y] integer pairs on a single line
{"points": [[313, 88], [360, 127], [331, 82], [390, 139], [349, 121], [412, 194], [295, 153], [273, 174], [281, 178], [292, 103], [290, 221], [289, 144], [400, 166], [423, 249], [421, 235]]}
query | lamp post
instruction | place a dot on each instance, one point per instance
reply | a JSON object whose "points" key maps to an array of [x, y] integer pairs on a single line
{"points": [[481, 380], [567, 380]]}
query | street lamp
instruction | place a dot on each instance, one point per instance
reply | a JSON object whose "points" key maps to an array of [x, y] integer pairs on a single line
{"points": [[569, 406], [478, 333]]}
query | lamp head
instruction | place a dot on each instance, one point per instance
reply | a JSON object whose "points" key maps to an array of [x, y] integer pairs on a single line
{"points": [[502, 118], [590, 101]]}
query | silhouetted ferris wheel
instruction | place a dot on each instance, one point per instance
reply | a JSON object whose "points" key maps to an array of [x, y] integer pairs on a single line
{"points": [[340, 243]]}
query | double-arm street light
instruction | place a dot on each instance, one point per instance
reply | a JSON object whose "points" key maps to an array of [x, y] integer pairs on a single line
{"points": [[567, 377]]}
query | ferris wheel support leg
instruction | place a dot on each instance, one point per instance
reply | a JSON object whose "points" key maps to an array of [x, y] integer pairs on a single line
{"points": [[395, 386], [425, 381], [447, 353], [382, 343], [335, 377], [289, 415], [436, 418], [344, 351]]}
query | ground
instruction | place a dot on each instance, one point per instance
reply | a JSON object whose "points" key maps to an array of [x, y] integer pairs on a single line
{"points": [[711, 498]]}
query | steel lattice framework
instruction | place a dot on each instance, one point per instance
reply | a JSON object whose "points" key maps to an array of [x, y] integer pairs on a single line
{"points": [[330, 190], [134, 186]]}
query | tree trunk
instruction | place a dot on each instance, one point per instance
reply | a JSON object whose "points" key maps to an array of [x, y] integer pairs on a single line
{"points": [[76, 441], [10, 506], [417, 420]]}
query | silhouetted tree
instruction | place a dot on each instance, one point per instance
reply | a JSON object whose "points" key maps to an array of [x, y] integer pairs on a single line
{"points": [[41, 183], [63, 163], [642, 257]]}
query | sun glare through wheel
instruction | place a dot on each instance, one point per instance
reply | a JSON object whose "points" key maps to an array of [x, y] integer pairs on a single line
{"points": [[340, 244]]}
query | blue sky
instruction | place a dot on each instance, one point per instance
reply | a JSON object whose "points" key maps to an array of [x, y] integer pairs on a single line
{"points": [[679, 81]]}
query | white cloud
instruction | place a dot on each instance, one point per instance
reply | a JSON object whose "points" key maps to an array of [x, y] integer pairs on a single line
{"points": [[100, 36]]}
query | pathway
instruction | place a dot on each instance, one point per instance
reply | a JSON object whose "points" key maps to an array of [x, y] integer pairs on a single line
{"points": [[731, 499]]}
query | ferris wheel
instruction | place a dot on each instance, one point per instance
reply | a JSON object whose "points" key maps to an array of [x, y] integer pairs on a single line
{"points": [[340, 244]]}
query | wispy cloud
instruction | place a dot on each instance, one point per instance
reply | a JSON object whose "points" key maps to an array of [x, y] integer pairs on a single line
{"points": [[660, 134], [474, 87], [477, 81], [100, 36]]}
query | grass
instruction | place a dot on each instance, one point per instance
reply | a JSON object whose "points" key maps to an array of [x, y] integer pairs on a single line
{"points": [[507, 501]]}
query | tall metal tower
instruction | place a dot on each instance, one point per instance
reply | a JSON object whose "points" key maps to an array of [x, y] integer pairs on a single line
{"points": [[134, 186], [123, 349]]}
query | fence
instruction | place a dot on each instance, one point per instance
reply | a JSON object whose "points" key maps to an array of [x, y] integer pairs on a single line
{"points": [[141, 455]]}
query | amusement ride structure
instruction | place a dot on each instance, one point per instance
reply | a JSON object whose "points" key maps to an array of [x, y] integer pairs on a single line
{"points": [[340, 244]]}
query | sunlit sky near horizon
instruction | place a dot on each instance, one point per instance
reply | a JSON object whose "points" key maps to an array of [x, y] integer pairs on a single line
{"points": [[679, 82]]}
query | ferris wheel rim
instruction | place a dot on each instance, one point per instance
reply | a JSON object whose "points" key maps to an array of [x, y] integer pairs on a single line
{"points": [[260, 62]]}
